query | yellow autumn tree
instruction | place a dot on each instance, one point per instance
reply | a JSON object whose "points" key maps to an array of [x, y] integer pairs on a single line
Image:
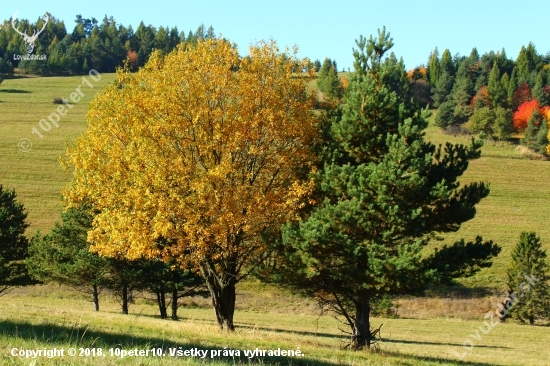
{"points": [[197, 157]]}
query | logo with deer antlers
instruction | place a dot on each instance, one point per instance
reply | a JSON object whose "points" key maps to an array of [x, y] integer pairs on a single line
{"points": [[29, 40]]}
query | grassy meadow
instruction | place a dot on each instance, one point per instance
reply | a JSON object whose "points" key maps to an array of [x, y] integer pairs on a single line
{"points": [[70, 322], [267, 318], [36, 175]]}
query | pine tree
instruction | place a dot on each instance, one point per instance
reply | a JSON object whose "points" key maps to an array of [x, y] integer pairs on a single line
{"points": [[63, 256], [445, 114], [505, 81], [446, 63], [380, 191], [443, 88], [482, 120], [434, 68], [316, 65], [13, 243], [503, 126], [328, 82], [512, 86], [538, 90], [535, 135], [495, 88], [461, 96], [542, 138], [528, 280], [528, 61]]}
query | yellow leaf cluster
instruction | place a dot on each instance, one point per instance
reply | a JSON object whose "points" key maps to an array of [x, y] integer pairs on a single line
{"points": [[195, 155]]}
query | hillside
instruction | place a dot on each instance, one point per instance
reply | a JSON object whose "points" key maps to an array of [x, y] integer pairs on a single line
{"points": [[518, 186], [36, 175]]}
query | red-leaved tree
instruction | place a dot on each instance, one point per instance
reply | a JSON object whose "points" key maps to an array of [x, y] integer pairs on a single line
{"points": [[524, 112], [483, 96]]}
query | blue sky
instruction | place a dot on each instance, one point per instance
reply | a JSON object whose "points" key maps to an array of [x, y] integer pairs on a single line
{"points": [[328, 29]]}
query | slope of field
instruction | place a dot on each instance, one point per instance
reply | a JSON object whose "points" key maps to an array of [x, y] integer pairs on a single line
{"points": [[36, 175], [518, 201], [519, 187]]}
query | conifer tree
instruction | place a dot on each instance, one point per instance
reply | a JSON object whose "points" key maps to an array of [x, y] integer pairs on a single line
{"points": [[495, 88], [505, 81], [482, 121], [63, 256], [503, 127], [442, 88], [446, 63], [528, 61], [434, 68], [328, 81], [461, 96], [535, 135], [316, 65], [538, 90], [528, 278], [13, 243], [381, 191], [445, 114], [512, 86]]}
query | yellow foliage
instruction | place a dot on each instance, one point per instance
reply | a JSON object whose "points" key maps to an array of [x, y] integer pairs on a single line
{"points": [[195, 155]]}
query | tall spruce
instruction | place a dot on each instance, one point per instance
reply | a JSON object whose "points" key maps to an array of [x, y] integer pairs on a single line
{"points": [[512, 86], [443, 88], [446, 63], [528, 278], [382, 191], [434, 68], [495, 88], [527, 62], [538, 90], [328, 81]]}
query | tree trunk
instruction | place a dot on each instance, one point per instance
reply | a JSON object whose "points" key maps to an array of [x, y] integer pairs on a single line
{"points": [[125, 300], [223, 297], [95, 295], [131, 296], [174, 304], [362, 333], [161, 300]]}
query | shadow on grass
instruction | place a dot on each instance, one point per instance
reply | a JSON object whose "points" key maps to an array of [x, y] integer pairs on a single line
{"points": [[79, 336], [387, 340], [15, 91], [301, 332]]}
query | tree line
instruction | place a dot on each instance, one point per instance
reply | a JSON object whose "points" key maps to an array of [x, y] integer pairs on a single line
{"points": [[491, 94], [102, 46], [63, 257]]}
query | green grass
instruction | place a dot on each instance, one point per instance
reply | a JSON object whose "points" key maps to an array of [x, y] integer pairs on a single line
{"points": [[37, 175], [517, 202], [31, 319], [47, 316]]}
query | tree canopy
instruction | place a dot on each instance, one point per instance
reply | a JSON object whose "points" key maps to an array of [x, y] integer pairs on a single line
{"points": [[381, 193], [195, 158]]}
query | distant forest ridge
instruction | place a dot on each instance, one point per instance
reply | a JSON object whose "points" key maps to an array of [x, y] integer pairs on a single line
{"points": [[103, 46]]}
